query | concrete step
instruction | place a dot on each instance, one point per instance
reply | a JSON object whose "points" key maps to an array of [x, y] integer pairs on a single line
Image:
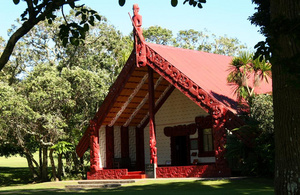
{"points": [[113, 181], [85, 186]]}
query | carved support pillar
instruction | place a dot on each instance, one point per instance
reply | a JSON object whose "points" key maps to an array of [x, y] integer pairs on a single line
{"points": [[94, 148], [153, 149], [109, 131], [219, 134]]}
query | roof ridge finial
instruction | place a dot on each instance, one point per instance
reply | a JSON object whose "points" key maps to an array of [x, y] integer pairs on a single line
{"points": [[139, 40]]}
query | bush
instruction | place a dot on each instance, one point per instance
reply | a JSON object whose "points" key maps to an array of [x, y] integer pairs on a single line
{"points": [[257, 159]]}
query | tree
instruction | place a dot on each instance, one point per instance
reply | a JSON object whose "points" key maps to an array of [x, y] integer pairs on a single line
{"points": [[41, 10], [203, 41], [16, 119], [158, 35], [49, 96], [64, 90], [246, 74], [279, 22], [225, 46], [191, 39]]}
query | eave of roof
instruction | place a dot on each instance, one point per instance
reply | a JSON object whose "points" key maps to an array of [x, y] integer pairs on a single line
{"points": [[209, 71]]}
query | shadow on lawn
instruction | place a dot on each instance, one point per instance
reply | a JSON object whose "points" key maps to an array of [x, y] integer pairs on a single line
{"points": [[245, 186], [14, 176]]}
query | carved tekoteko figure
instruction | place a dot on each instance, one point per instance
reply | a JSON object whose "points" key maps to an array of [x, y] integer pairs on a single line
{"points": [[138, 37], [94, 148]]}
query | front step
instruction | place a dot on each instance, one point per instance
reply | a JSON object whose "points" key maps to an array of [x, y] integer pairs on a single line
{"points": [[89, 184], [113, 181], [86, 186], [135, 175]]}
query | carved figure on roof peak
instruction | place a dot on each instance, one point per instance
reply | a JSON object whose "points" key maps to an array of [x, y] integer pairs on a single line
{"points": [[138, 37]]}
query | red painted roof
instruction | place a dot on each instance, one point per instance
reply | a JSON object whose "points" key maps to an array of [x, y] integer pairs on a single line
{"points": [[209, 71]]}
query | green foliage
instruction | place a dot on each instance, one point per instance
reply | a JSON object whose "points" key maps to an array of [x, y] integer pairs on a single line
{"points": [[71, 31], [258, 158], [158, 35], [121, 2], [246, 74], [262, 112], [195, 40], [195, 3], [174, 3], [62, 147], [189, 39], [51, 104], [15, 120]]}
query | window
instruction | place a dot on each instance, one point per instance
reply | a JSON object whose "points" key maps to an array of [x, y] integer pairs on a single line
{"points": [[205, 143], [207, 140], [194, 144]]}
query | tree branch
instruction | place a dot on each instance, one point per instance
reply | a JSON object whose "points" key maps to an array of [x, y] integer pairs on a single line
{"points": [[28, 25]]}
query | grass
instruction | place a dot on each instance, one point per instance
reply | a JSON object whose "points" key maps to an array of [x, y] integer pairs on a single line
{"points": [[145, 187], [14, 179], [13, 171], [14, 161]]}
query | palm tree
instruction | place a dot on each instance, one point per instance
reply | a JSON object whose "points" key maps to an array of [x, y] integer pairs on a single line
{"points": [[247, 73]]}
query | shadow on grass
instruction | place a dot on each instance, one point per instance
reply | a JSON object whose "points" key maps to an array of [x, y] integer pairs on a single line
{"points": [[245, 186], [14, 176]]}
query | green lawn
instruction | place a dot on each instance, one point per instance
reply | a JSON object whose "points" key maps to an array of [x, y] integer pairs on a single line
{"points": [[14, 179], [145, 187]]}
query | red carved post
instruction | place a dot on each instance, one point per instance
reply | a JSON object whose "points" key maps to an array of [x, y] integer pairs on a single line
{"points": [[94, 148], [153, 149], [219, 133]]}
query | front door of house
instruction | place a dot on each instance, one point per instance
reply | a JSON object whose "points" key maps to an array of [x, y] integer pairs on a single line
{"points": [[179, 150]]}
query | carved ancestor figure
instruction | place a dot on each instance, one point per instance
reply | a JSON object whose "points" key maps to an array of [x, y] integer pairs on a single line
{"points": [[153, 149], [139, 38], [94, 148]]}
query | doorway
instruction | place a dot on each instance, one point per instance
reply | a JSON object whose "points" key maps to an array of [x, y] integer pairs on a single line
{"points": [[179, 150]]}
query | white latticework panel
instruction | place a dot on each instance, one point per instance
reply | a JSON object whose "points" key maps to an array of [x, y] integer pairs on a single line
{"points": [[177, 110], [132, 145], [117, 141], [102, 143]]}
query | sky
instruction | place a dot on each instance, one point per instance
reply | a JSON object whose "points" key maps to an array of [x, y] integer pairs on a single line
{"points": [[219, 17]]}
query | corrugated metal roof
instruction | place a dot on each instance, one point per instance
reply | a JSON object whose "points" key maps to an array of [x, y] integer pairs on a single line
{"points": [[209, 71]]}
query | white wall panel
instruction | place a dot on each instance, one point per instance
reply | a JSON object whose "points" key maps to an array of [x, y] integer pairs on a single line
{"points": [[117, 141], [102, 143], [177, 110], [132, 148]]}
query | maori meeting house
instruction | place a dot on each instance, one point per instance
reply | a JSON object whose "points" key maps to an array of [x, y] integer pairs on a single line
{"points": [[166, 115]]}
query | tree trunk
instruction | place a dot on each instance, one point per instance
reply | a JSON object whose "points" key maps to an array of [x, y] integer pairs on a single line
{"points": [[59, 167], [286, 95], [52, 165], [40, 160], [76, 162], [45, 164], [31, 167]]}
